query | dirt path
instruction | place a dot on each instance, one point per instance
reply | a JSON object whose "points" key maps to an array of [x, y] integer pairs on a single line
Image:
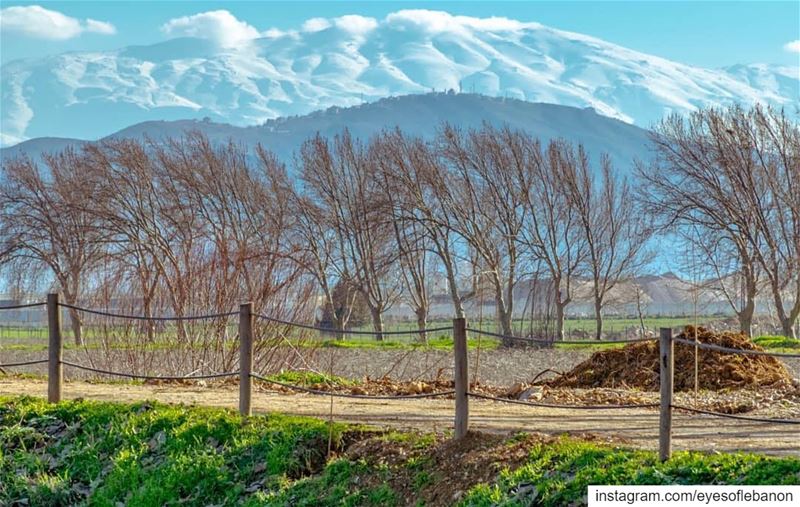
{"points": [[636, 427]]}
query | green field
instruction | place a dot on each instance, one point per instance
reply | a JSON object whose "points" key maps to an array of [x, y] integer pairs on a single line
{"points": [[571, 325], [149, 454]]}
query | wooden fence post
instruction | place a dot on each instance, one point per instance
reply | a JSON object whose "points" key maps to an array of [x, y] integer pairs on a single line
{"points": [[666, 367], [460, 374], [245, 357], [54, 349]]}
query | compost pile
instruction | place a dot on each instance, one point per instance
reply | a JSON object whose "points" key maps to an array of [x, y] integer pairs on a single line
{"points": [[636, 366]]}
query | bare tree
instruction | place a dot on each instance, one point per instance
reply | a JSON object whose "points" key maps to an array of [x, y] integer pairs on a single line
{"points": [[201, 227], [341, 180], [553, 232], [728, 270], [416, 178], [44, 221], [775, 142], [315, 250], [615, 232], [733, 174], [489, 215], [145, 219], [413, 249]]}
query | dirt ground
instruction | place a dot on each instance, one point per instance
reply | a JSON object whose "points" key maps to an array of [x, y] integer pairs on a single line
{"points": [[636, 427]]}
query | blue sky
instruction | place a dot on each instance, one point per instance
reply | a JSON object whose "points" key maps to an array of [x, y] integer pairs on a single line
{"points": [[709, 34]]}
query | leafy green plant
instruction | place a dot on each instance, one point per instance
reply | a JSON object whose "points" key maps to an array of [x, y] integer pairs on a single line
{"points": [[778, 343], [558, 473], [82, 452], [306, 378]]}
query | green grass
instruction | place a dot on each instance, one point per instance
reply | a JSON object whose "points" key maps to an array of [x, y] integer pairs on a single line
{"points": [[25, 339], [338, 484], [442, 342], [583, 324], [778, 343], [150, 454], [561, 472], [305, 378]]}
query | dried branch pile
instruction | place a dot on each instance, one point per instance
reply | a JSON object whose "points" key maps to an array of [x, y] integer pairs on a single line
{"points": [[636, 366]]}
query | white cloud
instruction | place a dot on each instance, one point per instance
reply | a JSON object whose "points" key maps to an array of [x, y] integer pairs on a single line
{"points": [[440, 21], [315, 25], [355, 24], [94, 26], [356, 27], [793, 46], [220, 26], [274, 33], [37, 22]]}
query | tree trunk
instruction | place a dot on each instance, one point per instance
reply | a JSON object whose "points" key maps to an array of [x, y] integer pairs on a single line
{"points": [[598, 315], [77, 327], [458, 305], [422, 323], [746, 318], [377, 323], [340, 324], [149, 325], [639, 310], [503, 317], [789, 319], [787, 327], [745, 315], [559, 336]]}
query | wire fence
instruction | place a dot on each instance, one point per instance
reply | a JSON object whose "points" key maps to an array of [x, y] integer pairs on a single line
{"points": [[24, 363], [719, 348], [556, 405], [143, 317], [21, 306], [737, 416], [151, 377], [461, 393]]}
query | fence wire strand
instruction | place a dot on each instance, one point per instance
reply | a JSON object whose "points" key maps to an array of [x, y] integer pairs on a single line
{"points": [[142, 317], [736, 416], [18, 307], [720, 348], [24, 363], [339, 331], [553, 405], [555, 342], [347, 395], [150, 377]]}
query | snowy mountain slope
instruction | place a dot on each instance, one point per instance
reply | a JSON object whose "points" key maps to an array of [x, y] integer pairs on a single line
{"points": [[416, 114], [348, 60]]}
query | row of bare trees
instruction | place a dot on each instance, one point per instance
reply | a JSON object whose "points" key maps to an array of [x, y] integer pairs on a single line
{"points": [[186, 226], [728, 183], [488, 204], [178, 228]]}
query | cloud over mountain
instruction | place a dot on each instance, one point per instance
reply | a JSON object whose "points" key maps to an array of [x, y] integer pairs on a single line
{"points": [[220, 26]]}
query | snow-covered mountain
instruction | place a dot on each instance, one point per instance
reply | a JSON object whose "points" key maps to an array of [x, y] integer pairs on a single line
{"points": [[348, 60]]}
